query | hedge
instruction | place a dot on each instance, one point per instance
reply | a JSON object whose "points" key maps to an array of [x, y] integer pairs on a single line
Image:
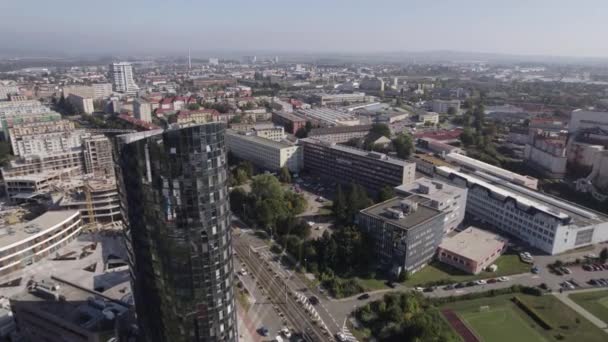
{"points": [[491, 293], [532, 313]]}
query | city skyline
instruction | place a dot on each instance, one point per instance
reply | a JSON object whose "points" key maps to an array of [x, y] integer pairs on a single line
{"points": [[539, 28]]}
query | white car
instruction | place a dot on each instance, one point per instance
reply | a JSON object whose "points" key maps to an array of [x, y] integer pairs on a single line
{"points": [[419, 289], [481, 282], [503, 279], [285, 331], [341, 337]]}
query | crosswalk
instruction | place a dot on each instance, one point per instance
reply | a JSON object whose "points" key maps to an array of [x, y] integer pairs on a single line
{"points": [[349, 336]]}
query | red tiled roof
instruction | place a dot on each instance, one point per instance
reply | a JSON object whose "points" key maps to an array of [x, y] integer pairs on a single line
{"points": [[441, 135], [137, 122]]}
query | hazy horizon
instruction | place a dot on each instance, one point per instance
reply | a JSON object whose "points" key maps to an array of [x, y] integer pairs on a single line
{"points": [[516, 27]]}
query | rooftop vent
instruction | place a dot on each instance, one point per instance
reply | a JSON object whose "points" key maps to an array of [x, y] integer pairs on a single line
{"points": [[408, 206]]}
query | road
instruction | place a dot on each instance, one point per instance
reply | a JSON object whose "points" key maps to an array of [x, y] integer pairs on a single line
{"points": [[279, 292]]}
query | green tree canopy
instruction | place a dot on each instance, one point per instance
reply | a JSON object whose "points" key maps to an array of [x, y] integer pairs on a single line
{"points": [[403, 145], [285, 175]]}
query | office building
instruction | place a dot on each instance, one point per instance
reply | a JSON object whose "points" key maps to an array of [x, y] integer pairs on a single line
{"points": [[451, 200], [142, 110], [54, 310], [404, 232], [443, 106], [174, 196], [472, 250], [550, 224], [25, 243], [292, 123], [122, 78], [346, 165], [340, 134], [97, 155], [328, 117], [426, 163], [82, 104], [265, 153], [474, 165]]}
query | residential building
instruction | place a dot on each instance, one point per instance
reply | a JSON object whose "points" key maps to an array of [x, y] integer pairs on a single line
{"points": [[82, 104], [292, 123], [6, 90], [80, 90], [54, 310], [122, 78], [142, 110], [340, 99], [52, 142], [472, 250], [206, 82], [18, 112], [550, 224], [405, 233], [340, 134], [28, 242], [197, 116], [174, 196], [280, 105], [328, 117], [32, 164], [20, 188], [347, 165], [468, 163], [547, 154], [97, 200], [443, 106], [451, 200], [276, 133], [265, 153], [102, 90]]}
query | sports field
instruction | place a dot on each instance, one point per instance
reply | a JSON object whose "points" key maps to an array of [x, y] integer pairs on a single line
{"points": [[595, 302], [500, 324], [498, 319]]}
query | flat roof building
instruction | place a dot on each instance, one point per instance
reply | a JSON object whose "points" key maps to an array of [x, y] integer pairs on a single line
{"points": [[291, 122], [340, 134], [550, 224], [405, 232], [347, 165], [471, 250], [475, 165], [265, 153], [441, 196], [328, 117], [25, 243]]}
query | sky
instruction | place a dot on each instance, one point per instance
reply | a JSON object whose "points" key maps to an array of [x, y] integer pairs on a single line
{"points": [[523, 27]]}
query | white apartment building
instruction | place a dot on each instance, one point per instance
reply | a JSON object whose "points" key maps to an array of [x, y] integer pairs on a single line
{"points": [[430, 117], [122, 78], [83, 104], [265, 153], [142, 110], [547, 223], [442, 106], [477, 166], [6, 90], [52, 142], [438, 195], [102, 90], [271, 133]]}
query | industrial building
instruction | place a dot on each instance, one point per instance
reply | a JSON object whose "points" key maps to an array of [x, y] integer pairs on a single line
{"points": [[264, 153], [550, 224], [443, 106], [340, 134], [476, 166], [451, 200], [291, 122], [405, 233], [340, 99], [174, 196], [25, 243], [472, 250], [547, 155], [328, 117], [346, 165]]}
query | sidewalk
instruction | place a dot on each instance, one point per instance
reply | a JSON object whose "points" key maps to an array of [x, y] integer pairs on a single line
{"points": [[566, 300]]}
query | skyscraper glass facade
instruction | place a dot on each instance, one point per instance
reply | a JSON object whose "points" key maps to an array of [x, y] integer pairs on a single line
{"points": [[175, 205]]}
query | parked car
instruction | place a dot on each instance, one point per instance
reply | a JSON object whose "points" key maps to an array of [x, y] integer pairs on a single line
{"points": [[535, 269], [341, 337], [429, 289], [503, 279], [492, 281], [481, 282], [419, 289], [566, 270], [263, 331], [363, 296], [313, 300], [286, 332], [460, 285], [471, 283], [449, 287]]}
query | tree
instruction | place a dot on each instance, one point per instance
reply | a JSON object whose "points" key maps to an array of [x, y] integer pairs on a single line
{"points": [[247, 167], [379, 130], [301, 133], [266, 186], [386, 193], [339, 205], [466, 137], [451, 111], [403, 145], [238, 200], [240, 176], [284, 175], [5, 151], [194, 106]]}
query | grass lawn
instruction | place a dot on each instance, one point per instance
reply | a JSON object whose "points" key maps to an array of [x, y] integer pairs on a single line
{"points": [[504, 321], [371, 284], [595, 302], [508, 264]]}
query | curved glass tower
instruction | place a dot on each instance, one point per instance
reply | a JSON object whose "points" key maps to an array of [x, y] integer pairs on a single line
{"points": [[174, 199]]}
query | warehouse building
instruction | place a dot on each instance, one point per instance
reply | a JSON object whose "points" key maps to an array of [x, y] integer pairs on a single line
{"points": [[471, 250]]}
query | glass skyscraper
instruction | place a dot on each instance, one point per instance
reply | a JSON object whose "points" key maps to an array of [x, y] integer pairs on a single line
{"points": [[175, 206]]}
